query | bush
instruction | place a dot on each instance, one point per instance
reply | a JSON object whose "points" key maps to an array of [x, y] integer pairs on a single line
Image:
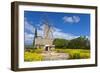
{"points": [[60, 50], [29, 56], [78, 54], [85, 55], [75, 53], [38, 50], [34, 50]]}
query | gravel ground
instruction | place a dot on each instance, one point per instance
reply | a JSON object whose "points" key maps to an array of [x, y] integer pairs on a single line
{"points": [[54, 56]]}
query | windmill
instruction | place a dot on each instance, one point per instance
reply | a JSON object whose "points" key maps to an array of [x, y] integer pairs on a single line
{"points": [[46, 40], [48, 35]]}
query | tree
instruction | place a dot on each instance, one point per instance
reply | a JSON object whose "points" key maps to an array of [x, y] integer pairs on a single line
{"points": [[60, 43], [79, 43], [35, 36]]}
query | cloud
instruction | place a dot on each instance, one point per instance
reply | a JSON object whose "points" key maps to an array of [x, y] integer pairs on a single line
{"points": [[71, 19], [28, 26], [59, 34], [28, 38], [57, 30], [29, 31]]}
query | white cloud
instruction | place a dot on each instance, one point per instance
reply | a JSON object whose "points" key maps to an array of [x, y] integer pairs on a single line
{"points": [[71, 19], [59, 34], [56, 29], [28, 26], [28, 38]]}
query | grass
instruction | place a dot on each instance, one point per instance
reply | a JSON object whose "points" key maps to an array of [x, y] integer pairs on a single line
{"points": [[35, 54], [75, 53]]}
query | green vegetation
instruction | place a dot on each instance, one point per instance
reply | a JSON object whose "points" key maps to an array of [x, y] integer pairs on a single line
{"points": [[29, 47], [60, 43], [75, 53], [80, 42], [78, 48], [33, 55]]}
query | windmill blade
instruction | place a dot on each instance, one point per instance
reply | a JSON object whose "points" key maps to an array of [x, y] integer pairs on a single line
{"points": [[33, 30], [51, 33]]}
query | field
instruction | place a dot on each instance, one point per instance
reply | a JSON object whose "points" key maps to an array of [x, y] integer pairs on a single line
{"points": [[35, 55], [76, 53]]}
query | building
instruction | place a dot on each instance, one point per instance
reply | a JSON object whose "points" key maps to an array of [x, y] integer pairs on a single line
{"points": [[44, 41]]}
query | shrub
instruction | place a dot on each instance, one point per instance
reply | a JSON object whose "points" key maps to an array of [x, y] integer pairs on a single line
{"points": [[29, 56], [79, 54], [38, 50], [60, 50], [75, 53], [34, 50], [85, 55]]}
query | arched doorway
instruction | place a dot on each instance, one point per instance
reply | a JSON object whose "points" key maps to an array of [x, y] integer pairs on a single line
{"points": [[46, 48]]}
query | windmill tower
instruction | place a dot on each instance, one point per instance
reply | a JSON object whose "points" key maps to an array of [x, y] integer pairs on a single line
{"points": [[48, 36], [45, 41]]}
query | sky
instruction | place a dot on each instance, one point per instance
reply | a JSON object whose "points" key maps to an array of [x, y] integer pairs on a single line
{"points": [[66, 25]]}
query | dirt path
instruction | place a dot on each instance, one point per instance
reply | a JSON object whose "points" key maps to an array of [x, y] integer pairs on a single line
{"points": [[54, 56]]}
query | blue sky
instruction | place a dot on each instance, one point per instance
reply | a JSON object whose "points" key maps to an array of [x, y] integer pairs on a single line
{"points": [[66, 25]]}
